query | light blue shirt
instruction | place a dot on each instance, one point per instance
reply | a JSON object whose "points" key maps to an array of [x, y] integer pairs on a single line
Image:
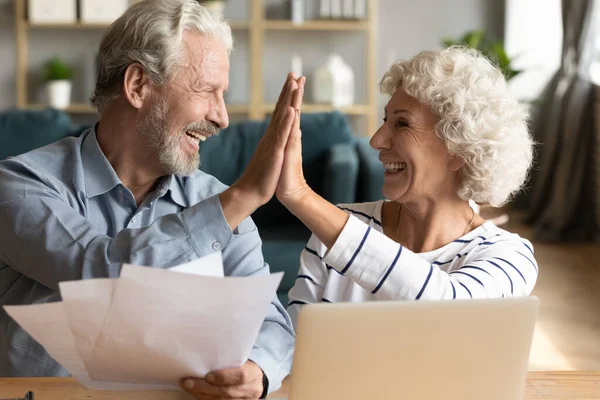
{"points": [[65, 215]]}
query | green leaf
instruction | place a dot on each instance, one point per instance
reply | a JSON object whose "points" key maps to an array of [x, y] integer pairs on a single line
{"points": [[500, 55], [474, 39], [447, 42], [54, 70], [493, 50]]}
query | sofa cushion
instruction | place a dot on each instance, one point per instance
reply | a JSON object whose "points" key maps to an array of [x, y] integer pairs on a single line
{"points": [[227, 155], [25, 130]]}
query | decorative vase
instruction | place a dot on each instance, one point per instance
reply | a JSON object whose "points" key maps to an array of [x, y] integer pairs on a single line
{"points": [[333, 83], [297, 12], [59, 94]]}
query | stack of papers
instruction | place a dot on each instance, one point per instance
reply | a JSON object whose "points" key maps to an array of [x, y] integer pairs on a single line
{"points": [[151, 327]]}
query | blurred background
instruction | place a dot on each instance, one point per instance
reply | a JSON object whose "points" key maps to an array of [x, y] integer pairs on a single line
{"points": [[548, 49]]}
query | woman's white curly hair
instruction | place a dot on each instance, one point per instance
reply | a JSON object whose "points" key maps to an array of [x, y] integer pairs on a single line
{"points": [[479, 120]]}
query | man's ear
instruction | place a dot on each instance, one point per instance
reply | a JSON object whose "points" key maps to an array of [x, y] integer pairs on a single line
{"points": [[456, 163], [136, 85]]}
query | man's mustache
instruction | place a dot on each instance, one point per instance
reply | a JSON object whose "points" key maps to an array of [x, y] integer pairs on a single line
{"points": [[204, 126]]}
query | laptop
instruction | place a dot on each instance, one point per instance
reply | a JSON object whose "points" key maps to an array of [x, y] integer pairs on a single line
{"points": [[451, 350]]}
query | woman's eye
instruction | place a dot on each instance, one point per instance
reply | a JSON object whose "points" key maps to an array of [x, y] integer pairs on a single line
{"points": [[401, 124]]}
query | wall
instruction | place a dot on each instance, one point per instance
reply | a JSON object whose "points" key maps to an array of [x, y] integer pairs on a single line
{"points": [[7, 54], [404, 28]]}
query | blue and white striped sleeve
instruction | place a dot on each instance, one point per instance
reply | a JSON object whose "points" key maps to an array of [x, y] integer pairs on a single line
{"points": [[391, 272], [311, 279]]}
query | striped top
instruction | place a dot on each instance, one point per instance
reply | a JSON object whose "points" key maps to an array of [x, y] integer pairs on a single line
{"points": [[365, 265]]}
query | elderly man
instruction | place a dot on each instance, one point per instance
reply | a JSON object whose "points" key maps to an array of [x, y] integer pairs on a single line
{"points": [[129, 190]]}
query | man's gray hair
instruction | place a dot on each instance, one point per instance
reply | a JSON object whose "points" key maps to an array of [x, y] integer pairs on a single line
{"points": [[150, 33]]}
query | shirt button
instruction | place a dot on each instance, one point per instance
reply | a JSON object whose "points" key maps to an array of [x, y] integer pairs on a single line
{"points": [[216, 246], [133, 220]]}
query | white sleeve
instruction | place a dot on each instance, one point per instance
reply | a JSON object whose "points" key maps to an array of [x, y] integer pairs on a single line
{"points": [[311, 279], [391, 272]]}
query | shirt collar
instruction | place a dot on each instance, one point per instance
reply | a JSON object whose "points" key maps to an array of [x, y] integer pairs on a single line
{"points": [[100, 177], [174, 187]]}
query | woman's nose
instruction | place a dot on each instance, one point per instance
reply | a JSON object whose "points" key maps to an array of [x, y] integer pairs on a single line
{"points": [[379, 141]]}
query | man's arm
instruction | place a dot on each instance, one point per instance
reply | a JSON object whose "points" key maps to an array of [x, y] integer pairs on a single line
{"points": [[275, 342], [273, 348], [45, 238]]}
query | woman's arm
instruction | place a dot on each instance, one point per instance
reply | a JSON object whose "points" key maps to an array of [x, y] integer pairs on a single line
{"points": [[311, 279], [324, 219], [385, 268], [497, 267]]}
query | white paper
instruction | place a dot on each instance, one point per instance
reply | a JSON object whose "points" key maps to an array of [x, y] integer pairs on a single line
{"points": [[86, 304], [211, 265], [181, 341], [47, 323], [151, 327]]}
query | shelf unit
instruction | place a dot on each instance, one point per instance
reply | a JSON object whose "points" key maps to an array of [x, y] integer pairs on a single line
{"points": [[257, 27]]}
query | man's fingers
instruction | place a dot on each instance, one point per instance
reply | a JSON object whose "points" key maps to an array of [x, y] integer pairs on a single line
{"points": [[284, 92], [232, 376], [200, 387], [285, 128], [283, 88], [287, 99], [297, 98], [279, 114], [299, 94]]}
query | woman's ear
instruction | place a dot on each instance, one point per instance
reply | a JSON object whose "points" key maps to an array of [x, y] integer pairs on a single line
{"points": [[136, 85], [456, 163]]}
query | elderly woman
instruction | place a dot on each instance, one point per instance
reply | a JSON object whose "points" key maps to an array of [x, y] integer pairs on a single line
{"points": [[451, 133]]}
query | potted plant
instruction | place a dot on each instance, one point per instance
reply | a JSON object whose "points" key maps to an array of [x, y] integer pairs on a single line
{"points": [[215, 6], [492, 49], [57, 76]]}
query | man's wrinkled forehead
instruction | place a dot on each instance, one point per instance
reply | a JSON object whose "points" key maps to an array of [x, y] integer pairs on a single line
{"points": [[204, 60]]}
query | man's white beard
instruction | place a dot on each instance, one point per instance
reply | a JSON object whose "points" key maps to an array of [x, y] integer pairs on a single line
{"points": [[171, 156]]}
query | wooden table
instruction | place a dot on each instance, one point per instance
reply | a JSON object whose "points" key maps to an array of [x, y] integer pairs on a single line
{"points": [[579, 385]]}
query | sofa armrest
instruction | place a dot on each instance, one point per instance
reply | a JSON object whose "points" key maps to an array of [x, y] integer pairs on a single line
{"points": [[370, 174], [341, 171]]}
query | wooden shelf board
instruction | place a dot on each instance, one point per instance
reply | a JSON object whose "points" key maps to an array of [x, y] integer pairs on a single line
{"points": [[65, 26], [258, 29], [317, 25], [237, 108], [356, 109], [82, 108], [84, 26], [79, 108]]}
